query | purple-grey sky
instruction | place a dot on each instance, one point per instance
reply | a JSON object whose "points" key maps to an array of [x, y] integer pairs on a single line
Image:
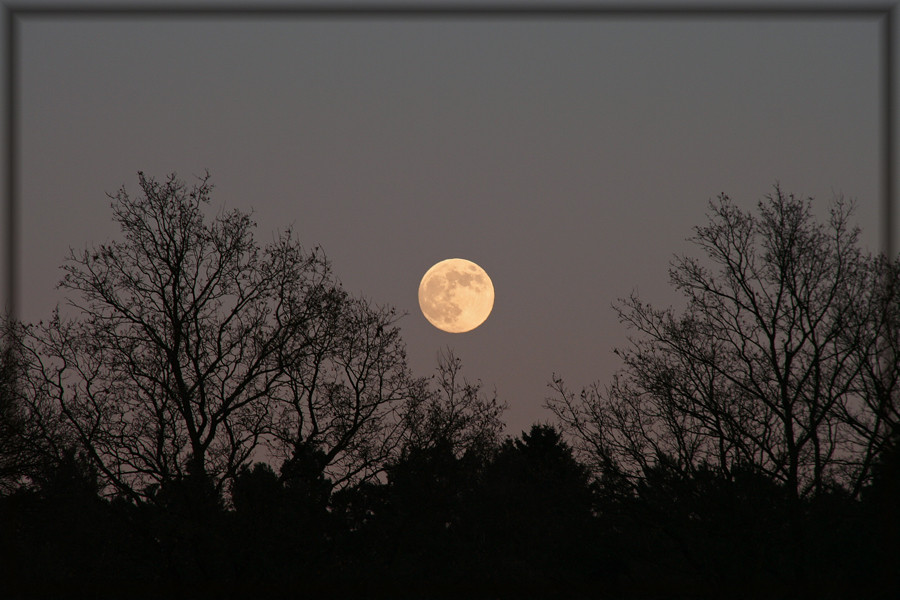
{"points": [[569, 157]]}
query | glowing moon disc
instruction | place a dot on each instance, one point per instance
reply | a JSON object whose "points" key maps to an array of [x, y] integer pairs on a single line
{"points": [[456, 295]]}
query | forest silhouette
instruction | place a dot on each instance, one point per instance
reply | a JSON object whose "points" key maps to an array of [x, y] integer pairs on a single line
{"points": [[208, 417]]}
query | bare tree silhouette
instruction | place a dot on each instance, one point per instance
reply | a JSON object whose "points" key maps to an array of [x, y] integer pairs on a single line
{"points": [[776, 365], [183, 345], [454, 411], [764, 365]]}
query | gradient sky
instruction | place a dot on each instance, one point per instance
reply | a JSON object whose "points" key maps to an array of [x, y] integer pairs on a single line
{"points": [[570, 157]]}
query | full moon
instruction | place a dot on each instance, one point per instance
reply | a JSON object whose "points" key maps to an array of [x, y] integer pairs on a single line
{"points": [[456, 295]]}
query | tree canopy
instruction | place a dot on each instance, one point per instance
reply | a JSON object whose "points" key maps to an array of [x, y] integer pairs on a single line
{"points": [[186, 347], [781, 361]]}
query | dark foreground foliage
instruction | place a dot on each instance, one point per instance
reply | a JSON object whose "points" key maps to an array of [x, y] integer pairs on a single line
{"points": [[522, 520]]}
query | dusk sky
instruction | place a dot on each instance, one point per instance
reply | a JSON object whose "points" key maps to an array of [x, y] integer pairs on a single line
{"points": [[569, 157]]}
